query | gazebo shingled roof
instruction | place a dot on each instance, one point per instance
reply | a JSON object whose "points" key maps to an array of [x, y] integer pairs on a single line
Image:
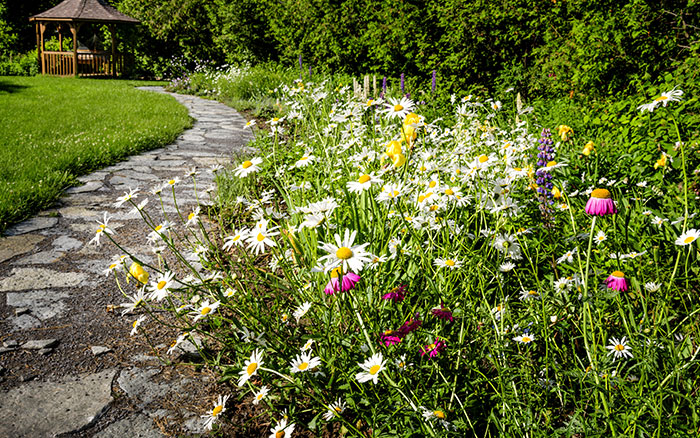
{"points": [[74, 13], [84, 10]]}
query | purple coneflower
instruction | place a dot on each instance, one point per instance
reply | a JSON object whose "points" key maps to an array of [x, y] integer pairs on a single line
{"points": [[348, 283], [410, 325], [391, 337], [600, 203], [433, 84], [397, 294], [433, 349], [443, 312], [616, 281]]}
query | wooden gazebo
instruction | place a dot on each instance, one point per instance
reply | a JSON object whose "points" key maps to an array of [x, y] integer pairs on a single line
{"points": [[71, 15]]}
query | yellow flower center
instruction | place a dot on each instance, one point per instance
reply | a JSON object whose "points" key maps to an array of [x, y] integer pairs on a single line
{"points": [[370, 102], [338, 409], [205, 310], [364, 178], [450, 262], [601, 194], [217, 410], [619, 347], [279, 434], [551, 163], [246, 164], [532, 292], [343, 253], [303, 366], [161, 284], [661, 98], [335, 273], [526, 339], [483, 158], [449, 192], [191, 216], [689, 239], [112, 266], [260, 237], [432, 184], [235, 238], [251, 368], [439, 414], [159, 227], [618, 274], [398, 108], [374, 369], [430, 347], [135, 323]]}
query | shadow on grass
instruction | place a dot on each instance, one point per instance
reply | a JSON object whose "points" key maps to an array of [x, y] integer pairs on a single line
{"points": [[8, 87]]}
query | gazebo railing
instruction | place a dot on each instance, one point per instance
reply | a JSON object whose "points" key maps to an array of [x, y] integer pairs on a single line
{"points": [[89, 64]]}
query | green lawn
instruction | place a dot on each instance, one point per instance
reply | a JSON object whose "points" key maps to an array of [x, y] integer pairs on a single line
{"points": [[55, 129]]}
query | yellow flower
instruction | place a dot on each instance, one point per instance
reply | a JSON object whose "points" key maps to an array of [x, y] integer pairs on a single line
{"points": [[393, 148], [588, 148], [661, 162], [138, 273], [556, 193], [408, 134], [399, 160], [411, 118], [565, 132]]}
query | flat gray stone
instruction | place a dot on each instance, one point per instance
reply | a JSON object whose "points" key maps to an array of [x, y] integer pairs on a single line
{"points": [[40, 344], [66, 243], [80, 212], [40, 278], [98, 350], [138, 383], [10, 343], [17, 245], [90, 186], [43, 304], [136, 426], [34, 224], [41, 258], [47, 409], [7, 349], [24, 322]]}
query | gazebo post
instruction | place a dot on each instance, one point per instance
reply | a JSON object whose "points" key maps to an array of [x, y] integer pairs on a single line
{"points": [[38, 42], [113, 64], [74, 27], [42, 27]]}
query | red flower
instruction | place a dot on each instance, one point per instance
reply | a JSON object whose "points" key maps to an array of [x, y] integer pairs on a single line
{"points": [[397, 294], [443, 312], [433, 349]]}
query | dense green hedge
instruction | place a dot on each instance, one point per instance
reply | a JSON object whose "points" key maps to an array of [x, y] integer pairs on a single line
{"points": [[547, 47]]}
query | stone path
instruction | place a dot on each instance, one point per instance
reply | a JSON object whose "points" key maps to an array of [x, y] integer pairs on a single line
{"points": [[68, 365]]}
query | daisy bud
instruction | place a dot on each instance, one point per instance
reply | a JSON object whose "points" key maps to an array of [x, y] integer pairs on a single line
{"points": [[138, 273]]}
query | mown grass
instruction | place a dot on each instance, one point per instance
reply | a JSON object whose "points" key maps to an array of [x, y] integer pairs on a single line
{"points": [[55, 129]]}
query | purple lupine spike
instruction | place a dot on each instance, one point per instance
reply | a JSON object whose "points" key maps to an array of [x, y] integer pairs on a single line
{"points": [[300, 67], [433, 84], [403, 90], [544, 178], [383, 87], [310, 71]]}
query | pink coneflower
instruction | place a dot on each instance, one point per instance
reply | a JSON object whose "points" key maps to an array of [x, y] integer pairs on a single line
{"points": [[397, 294], [348, 283], [390, 337], [410, 325], [600, 203], [433, 349], [616, 281], [443, 312]]}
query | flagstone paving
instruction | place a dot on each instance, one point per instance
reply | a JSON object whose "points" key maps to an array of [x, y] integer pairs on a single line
{"points": [[68, 365]]}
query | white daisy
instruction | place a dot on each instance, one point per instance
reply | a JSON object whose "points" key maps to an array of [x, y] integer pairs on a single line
{"points": [[102, 228], [247, 167], [136, 324], [335, 408], [344, 254], [371, 369], [282, 430], [250, 368], [204, 310], [213, 415], [600, 237], [364, 182], [652, 286], [301, 310], [448, 263], [160, 288], [238, 238], [568, 256], [259, 237], [398, 108], [304, 362], [305, 160], [619, 348], [307, 346], [688, 237], [261, 394], [128, 196], [525, 338]]}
